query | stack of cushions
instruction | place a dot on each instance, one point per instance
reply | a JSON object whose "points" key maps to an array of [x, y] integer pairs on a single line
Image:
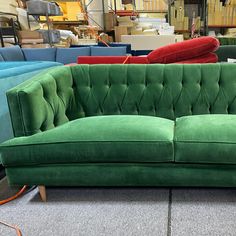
{"points": [[198, 50]]}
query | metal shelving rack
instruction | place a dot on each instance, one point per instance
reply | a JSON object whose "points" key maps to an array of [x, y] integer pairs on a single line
{"points": [[48, 22], [9, 31], [202, 8], [49, 26]]}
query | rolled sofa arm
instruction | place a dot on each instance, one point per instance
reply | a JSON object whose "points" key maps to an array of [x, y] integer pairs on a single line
{"points": [[42, 103]]}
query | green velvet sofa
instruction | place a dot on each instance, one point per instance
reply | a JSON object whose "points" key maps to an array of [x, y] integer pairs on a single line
{"points": [[124, 125]]}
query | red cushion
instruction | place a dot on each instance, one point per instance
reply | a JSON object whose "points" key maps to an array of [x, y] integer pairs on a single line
{"points": [[183, 50], [207, 58], [112, 60]]}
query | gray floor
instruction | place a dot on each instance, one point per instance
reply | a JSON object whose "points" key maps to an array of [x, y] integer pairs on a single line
{"points": [[121, 211]]}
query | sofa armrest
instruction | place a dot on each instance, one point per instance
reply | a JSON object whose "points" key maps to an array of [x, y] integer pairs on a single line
{"points": [[42, 102]]}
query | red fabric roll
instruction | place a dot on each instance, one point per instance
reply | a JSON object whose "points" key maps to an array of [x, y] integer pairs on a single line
{"points": [[185, 50]]}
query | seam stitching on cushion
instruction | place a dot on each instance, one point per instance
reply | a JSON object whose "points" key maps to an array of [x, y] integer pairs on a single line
{"points": [[21, 111], [78, 142], [212, 142]]}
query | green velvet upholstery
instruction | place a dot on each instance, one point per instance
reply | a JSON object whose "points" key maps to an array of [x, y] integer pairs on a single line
{"points": [[125, 174], [102, 125], [167, 91], [95, 139], [206, 139]]}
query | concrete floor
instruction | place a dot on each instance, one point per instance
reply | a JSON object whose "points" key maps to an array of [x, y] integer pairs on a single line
{"points": [[121, 211]]}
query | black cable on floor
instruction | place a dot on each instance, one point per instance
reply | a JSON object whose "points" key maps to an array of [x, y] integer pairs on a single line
{"points": [[31, 189]]}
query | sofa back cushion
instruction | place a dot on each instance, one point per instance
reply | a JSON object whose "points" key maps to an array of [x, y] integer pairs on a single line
{"points": [[184, 50], [226, 51], [40, 54], [115, 44], [108, 51], [1, 58], [12, 54], [70, 55], [167, 91]]}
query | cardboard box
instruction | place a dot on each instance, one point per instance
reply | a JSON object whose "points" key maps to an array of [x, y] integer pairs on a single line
{"points": [[120, 30], [110, 21], [39, 45], [28, 34], [151, 42], [30, 41]]}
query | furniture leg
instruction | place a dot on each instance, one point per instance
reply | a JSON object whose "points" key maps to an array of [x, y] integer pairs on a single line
{"points": [[42, 192]]}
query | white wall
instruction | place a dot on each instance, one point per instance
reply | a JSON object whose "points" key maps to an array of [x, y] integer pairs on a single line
{"points": [[5, 6]]}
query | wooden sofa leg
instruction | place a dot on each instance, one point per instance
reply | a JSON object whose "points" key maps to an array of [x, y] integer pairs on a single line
{"points": [[42, 192]]}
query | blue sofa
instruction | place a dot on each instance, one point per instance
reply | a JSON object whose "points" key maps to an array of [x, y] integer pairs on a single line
{"points": [[12, 74], [128, 48], [61, 55]]}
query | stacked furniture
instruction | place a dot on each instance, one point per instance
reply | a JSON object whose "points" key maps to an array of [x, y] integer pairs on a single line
{"points": [[95, 55], [124, 125], [44, 8], [198, 50]]}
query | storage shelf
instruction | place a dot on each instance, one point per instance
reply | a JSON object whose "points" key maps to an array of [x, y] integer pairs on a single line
{"points": [[221, 26], [44, 14], [64, 22], [153, 11], [182, 31]]}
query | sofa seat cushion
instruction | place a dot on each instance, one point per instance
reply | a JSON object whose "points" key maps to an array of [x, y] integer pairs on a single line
{"points": [[121, 138], [206, 139]]}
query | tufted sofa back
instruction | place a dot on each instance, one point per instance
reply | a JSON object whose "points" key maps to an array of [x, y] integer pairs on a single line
{"points": [[169, 91]]}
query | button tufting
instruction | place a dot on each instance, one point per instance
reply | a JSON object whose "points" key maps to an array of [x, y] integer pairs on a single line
{"points": [[191, 109], [227, 109]]}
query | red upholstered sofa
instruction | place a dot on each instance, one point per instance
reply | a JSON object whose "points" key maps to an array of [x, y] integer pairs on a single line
{"points": [[198, 50]]}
